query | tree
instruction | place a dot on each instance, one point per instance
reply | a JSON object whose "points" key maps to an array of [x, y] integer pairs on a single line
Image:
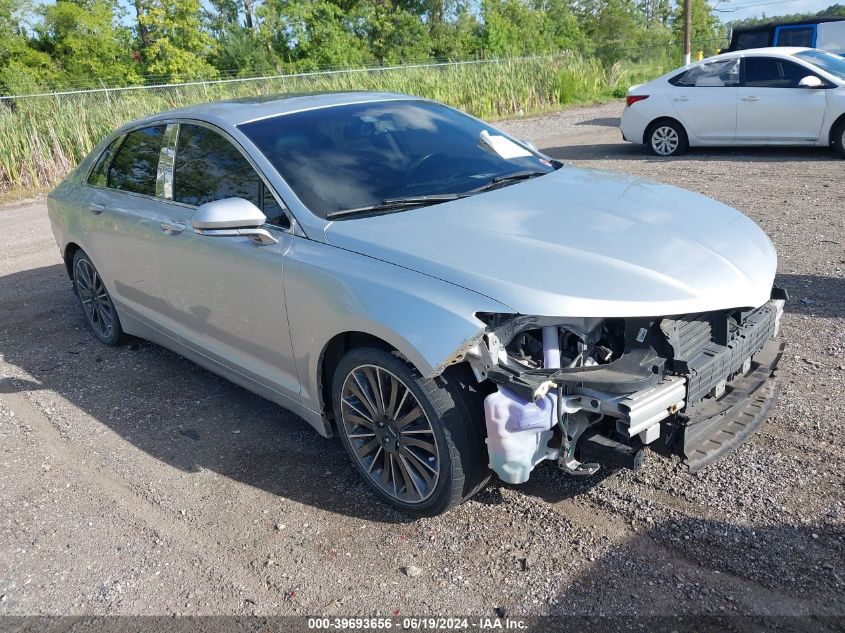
{"points": [[178, 46], [241, 51], [618, 29], [655, 12], [393, 34], [79, 42], [312, 35], [22, 67], [222, 16], [707, 31], [82, 38], [562, 27], [511, 27], [458, 37]]}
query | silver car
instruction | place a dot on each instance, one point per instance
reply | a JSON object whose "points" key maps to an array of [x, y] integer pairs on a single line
{"points": [[446, 299]]}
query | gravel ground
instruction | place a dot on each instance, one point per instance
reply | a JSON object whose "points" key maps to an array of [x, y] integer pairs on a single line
{"points": [[133, 482]]}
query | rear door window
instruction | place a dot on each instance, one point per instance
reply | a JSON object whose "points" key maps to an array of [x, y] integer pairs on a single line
{"points": [[135, 165], [208, 167]]}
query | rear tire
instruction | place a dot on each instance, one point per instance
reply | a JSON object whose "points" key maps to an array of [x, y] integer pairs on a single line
{"points": [[95, 301], [667, 138], [417, 442], [838, 138]]}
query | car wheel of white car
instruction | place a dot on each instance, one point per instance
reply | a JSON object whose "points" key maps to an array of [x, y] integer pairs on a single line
{"points": [[418, 443], [839, 139], [667, 138], [95, 301]]}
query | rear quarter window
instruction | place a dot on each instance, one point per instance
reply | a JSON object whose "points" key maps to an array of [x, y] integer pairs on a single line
{"points": [[720, 73], [97, 176]]}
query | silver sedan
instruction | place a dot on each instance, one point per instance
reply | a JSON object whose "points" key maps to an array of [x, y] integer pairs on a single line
{"points": [[446, 299]]}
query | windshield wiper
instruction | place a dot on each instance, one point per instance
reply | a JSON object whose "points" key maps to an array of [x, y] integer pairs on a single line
{"points": [[508, 178], [391, 204]]}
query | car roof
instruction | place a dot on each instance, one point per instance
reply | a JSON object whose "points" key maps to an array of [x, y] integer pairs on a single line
{"points": [[768, 51], [234, 112], [786, 52]]}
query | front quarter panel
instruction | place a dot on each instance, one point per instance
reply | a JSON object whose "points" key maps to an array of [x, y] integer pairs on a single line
{"points": [[835, 110], [331, 291]]}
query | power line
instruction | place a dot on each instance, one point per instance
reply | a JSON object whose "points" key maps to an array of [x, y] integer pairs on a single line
{"points": [[159, 82], [183, 84], [751, 6]]}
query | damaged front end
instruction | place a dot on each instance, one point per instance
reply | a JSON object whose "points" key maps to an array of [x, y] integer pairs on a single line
{"points": [[591, 392]]}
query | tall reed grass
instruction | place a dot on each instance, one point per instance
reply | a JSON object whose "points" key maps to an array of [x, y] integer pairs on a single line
{"points": [[42, 138]]}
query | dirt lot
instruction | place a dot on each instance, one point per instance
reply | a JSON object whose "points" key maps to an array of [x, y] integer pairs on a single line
{"points": [[133, 482]]}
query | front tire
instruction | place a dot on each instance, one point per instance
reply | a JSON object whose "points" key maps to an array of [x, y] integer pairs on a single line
{"points": [[838, 138], [667, 138], [96, 303], [418, 443]]}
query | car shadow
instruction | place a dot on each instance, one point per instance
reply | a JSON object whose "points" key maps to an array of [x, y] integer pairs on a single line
{"points": [[814, 295], [177, 412], [608, 121], [191, 419], [717, 576], [632, 151]]}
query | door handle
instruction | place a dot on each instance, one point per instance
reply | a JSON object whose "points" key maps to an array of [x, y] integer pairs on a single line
{"points": [[96, 209], [172, 228], [680, 99], [750, 98]]}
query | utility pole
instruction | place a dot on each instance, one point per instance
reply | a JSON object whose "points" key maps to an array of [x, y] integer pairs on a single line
{"points": [[687, 30]]}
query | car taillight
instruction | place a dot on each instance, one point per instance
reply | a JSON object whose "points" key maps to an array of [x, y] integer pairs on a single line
{"points": [[632, 99]]}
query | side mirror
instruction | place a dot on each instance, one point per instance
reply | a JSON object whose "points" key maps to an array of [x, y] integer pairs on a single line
{"points": [[811, 81], [231, 217]]}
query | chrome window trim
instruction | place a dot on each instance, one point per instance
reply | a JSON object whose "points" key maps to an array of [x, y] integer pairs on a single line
{"points": [[293, 226]]}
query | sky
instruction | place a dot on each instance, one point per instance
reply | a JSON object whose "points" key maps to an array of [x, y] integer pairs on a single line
{"points": [[729, 10]]}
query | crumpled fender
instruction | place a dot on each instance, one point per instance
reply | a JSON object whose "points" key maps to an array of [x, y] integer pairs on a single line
{"points": [[331, 291]]}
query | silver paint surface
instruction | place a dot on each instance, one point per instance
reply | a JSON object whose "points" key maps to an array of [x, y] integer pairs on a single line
{"points": [[575, 243]]}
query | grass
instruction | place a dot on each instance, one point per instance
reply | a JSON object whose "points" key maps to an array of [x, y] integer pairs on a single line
{"points": [[42, 138]]}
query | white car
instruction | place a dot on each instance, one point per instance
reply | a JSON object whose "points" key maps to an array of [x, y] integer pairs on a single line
{"points": [[762, 96]]}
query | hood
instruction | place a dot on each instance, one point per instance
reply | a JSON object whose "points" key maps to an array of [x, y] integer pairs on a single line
{"points": [[582, 243]]}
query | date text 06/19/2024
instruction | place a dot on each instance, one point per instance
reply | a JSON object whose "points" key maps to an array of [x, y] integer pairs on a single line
{"points": [[417, 624]]}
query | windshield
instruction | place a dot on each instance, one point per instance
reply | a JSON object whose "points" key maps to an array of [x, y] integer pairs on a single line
{"points": [[833, 64], [352, 156]]}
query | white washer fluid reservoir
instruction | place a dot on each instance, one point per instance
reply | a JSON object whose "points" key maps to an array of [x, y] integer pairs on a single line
{"points": [[518, 432]]}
